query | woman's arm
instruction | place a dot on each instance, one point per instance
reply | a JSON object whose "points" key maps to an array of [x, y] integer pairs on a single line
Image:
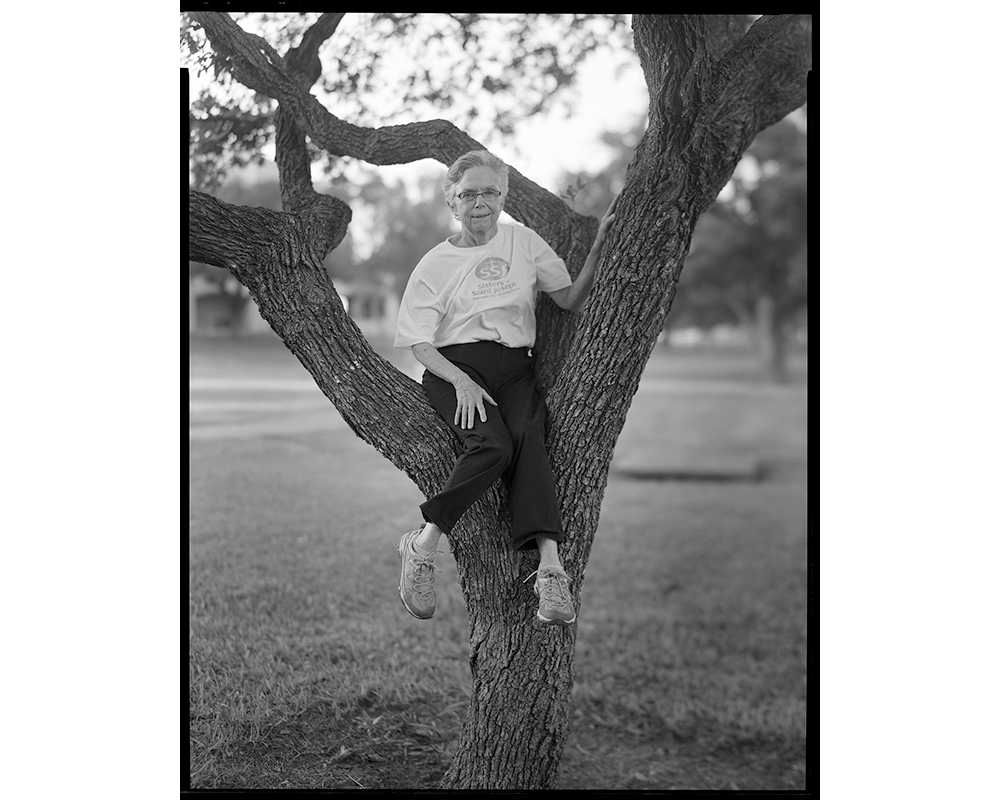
{"points": [[575, 295], [469, 393]]}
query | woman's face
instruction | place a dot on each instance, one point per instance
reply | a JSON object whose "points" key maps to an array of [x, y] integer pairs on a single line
{"points": [[478, 216]]}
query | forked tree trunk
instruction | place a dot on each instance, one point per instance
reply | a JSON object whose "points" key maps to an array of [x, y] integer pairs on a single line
{"points": [[711, 88], [518, 719]]}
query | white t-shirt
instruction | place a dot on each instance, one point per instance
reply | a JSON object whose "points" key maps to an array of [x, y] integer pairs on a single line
{"points": [[458, 295]]}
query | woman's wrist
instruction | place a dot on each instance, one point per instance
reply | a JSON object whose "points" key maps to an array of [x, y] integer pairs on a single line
{"points": [[458, 378]]}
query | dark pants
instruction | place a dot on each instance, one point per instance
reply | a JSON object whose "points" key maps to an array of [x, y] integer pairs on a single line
{"points": [[510, 444]]}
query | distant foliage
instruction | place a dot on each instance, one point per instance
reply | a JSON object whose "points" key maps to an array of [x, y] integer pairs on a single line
{"points": [[591, 195], [753, 242], [571, 191], [405, 225]]}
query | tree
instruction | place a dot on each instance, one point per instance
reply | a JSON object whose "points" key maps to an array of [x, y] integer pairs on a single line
{"points": [[748, 255], [747, 261], [714, 82], [492, 69], [405, 227]]}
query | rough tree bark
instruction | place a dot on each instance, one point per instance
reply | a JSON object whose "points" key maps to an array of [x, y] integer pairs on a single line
{"points": [[712, 88]]}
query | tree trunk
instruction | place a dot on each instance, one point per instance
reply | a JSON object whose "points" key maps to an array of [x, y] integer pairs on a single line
{"points": [[704, 112], [518, 715], [770, 340]]}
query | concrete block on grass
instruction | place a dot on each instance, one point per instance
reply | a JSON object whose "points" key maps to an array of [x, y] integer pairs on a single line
{"points": [[653, 465]]}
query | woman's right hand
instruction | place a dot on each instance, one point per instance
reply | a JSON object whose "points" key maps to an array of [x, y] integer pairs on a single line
{"points": [[470, 400]]}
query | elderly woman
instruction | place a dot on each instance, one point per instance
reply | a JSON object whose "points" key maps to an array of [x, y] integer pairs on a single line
{"points": [[468, 313]]}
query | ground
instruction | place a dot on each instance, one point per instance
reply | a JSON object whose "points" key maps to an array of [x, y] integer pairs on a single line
{"points": [[306, 672]]}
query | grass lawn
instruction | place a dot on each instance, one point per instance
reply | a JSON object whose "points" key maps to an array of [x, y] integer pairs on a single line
{"points": [[306, 672]]}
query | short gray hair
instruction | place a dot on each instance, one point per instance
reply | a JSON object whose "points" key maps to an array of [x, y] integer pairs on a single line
{"points": [[474, 158]]}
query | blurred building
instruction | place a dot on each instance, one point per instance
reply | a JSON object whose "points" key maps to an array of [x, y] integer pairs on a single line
{"points": [[226, 308], [222, 308], [372, 304]]}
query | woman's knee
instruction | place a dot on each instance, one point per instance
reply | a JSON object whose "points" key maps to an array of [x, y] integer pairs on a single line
{"points": [[527, 431], [528, 422], [496, 449]]}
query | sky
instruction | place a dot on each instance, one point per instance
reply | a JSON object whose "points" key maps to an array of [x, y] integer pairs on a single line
{"points": [[549, 145]]}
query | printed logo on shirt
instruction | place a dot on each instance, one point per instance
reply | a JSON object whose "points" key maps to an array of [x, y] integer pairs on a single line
{"points": [[492, 269]]}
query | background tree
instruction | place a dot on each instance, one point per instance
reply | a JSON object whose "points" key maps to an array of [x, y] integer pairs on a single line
{"points": [[748, 256], [405, 225], [747, 262], [591, 194], [714, 83]]}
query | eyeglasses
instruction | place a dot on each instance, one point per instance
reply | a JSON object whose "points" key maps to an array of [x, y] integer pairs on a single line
{"points": [[489, 195]]}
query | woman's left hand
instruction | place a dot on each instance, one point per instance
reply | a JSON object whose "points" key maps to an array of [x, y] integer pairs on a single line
{"points": [[573, 296], [602, 231]]}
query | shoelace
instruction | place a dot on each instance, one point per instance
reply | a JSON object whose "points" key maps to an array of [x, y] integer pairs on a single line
{"points": [[423, 578], [554, 587]]}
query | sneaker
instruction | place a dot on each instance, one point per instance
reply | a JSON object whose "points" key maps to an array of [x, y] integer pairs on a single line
{"points": [[416, 579], [555, 605]]}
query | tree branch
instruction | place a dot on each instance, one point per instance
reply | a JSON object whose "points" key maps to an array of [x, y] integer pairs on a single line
{"points": [[746, 51], [758, 81], [273, 254], [215, 230], [765, 73], [304, 59], [255, 64], [231, 236], [723, 31], [291, 154], [675, 59]]}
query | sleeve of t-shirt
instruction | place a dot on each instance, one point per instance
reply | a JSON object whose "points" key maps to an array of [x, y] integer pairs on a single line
{"points": [[420, 312], [550, 270]]}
